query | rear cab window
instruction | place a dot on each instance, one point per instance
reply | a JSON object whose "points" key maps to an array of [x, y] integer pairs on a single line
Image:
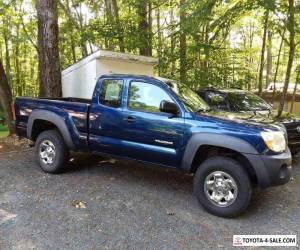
{"points": [[111, 93]]}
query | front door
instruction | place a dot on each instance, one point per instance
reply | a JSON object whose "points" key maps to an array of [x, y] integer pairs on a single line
{"points": [[151, 135]]}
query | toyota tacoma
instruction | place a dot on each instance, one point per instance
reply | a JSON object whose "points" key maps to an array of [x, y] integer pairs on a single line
{"points": [[162, 122]]}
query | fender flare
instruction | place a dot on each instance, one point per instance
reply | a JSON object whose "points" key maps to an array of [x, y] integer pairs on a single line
{"points": [[223, 141], [53, 118]]}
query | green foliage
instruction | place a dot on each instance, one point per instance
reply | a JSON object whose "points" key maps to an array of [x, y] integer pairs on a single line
{"points": [[223, 37], [3, 128]]}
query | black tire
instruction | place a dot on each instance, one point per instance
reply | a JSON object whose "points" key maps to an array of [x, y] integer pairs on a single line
{"points": [[61, 151], [239, 175]]}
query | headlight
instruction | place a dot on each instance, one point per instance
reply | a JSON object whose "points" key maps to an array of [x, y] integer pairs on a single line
{"points": [[275, 140]]}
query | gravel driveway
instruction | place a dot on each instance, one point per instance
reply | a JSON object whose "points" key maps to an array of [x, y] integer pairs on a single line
{"points": [[101, 204]]}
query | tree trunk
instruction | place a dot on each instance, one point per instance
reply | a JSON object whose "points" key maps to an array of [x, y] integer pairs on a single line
{"points": [[6, 100], [73, 49], [150, 34], [182, 52], [17, 65], [7, 59], [262, 57], [24, 70], [48, 51], [295, 89], [159, 40], [250, 61], [76, 23], [145, 44], [173, 42], [110, 18], [81, 24], [292, 48], [120, 28], [206, 47], [269, 60], [277, 67]]}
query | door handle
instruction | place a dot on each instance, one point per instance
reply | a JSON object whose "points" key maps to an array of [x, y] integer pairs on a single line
{"points": [[130, 119]]}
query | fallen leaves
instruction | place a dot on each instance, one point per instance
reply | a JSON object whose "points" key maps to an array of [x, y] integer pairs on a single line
{"points": [[13, 143], [6, 216], [79, 204], [170, 213]]}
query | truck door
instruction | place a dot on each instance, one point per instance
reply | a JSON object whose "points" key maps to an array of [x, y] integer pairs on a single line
{"points": [[151, 135], [106, 118]]}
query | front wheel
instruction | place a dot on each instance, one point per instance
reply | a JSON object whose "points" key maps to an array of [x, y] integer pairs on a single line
{"points": [[222, 186], [51, 151]]}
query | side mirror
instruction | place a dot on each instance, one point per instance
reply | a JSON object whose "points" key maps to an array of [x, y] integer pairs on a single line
{"points": [[168, 107]]}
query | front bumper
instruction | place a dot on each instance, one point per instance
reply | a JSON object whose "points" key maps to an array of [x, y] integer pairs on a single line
{"points": [[272, 170]]}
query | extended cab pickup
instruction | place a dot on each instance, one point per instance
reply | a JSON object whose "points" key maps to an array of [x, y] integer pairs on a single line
{"points": [[162, 122]]}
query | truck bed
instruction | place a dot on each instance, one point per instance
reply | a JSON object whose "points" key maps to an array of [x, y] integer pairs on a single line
{"points": [[69, 99], [74, 110]]}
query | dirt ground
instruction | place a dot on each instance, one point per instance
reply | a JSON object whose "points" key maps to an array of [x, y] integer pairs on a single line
{"points": [[105, 204], [13, 144]]}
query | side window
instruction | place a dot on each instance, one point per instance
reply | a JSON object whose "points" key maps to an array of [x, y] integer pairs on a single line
{"points": [[111, 93], [217, 100], [147, 97]]}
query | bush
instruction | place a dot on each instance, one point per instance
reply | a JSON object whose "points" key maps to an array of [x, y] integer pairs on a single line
{"points": [[3, 128]]}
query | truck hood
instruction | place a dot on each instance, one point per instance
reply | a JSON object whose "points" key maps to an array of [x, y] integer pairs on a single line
{"points": [[265, 117], [242, 116], [262, 120]]}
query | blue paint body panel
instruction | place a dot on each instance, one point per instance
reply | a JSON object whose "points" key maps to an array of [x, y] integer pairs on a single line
{"points": [[158, 138]]}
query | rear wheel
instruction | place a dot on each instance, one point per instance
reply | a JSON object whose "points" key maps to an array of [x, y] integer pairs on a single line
{"points": [[222, 186], [51, 151]]}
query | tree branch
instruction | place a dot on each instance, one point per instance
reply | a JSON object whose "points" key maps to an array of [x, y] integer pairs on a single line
{"points": [[27, 34]]}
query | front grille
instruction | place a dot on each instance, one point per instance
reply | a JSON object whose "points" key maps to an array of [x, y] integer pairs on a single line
{"points": [[293, 134]]}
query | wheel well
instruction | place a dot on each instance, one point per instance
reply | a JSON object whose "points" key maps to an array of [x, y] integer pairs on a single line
{"points": [[40, 126], [206, 151]]}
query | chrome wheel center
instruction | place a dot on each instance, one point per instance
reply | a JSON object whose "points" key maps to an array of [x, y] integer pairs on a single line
{"points": [[220, 188], [47, 152]]}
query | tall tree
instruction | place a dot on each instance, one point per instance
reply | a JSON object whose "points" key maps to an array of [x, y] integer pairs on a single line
{"points": [[262, 56], [6, 37], [277, 66], [145, 44], [295, 89], [48, 50], [76, 23], [6, 98], [183, 60], [119, 25], [292, 48], [110, 18], [172, 42], [159, 40], [269, 59]]}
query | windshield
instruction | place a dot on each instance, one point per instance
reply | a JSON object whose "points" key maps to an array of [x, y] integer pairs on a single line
{"points": [[248, 102], [191, 100]]}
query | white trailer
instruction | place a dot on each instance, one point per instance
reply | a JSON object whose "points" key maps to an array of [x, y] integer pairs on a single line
{"points": [[79, 79]]}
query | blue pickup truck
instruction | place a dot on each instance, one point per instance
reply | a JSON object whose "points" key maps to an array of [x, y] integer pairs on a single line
{"points": [[161, 122]]}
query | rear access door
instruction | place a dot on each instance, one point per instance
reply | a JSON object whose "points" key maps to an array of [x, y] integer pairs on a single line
{"points": [[106, 117]]}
